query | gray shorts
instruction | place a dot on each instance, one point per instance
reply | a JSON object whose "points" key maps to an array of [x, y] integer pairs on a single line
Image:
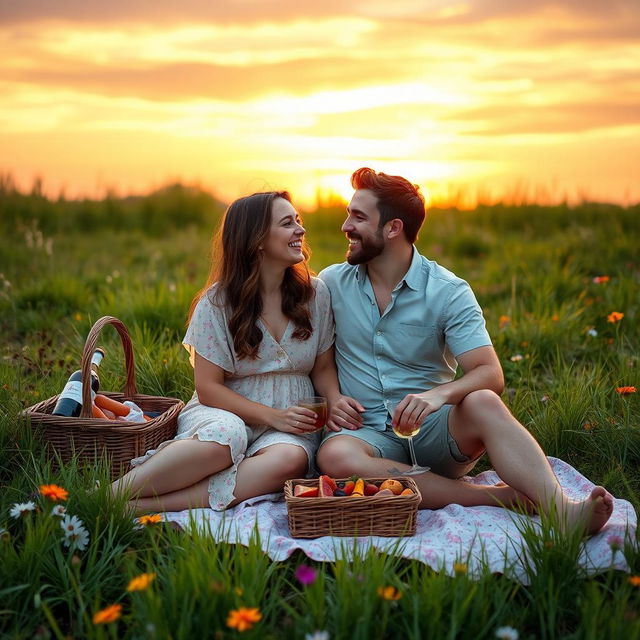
{"points": [[435, 447]]}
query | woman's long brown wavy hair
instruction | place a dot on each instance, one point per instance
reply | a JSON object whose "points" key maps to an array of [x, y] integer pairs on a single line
{"points": [[235, 266]]}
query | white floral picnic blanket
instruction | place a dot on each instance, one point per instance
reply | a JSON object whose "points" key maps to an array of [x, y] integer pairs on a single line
{"points": [[477, 536]]}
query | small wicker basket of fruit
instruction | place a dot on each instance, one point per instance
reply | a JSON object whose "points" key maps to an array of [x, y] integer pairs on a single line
{"points": [[352, 506]]}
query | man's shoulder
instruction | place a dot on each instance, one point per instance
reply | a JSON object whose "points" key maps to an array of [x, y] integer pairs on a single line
{"points": [[337, 272], [437, 274]]}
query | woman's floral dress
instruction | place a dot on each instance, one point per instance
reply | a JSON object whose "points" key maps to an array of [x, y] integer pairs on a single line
{"points": [[276, 378]]}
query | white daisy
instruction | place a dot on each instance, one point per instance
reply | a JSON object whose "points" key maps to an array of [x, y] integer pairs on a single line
{"points": [[59, 510], [75, 533], [21, 508], [317, 635], [507, 633]]}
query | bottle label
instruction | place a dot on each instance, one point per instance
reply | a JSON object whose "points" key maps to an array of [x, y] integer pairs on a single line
{"points": [[73, 390]]}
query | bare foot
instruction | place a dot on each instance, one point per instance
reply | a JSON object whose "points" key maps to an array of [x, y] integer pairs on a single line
{"points": [[592, 513]]}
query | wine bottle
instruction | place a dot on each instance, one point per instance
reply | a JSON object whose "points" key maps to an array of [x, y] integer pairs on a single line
{"points": [[70, 401]]}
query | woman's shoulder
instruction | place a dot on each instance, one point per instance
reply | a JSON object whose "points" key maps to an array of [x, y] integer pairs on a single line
{"points": [[322, 297]]}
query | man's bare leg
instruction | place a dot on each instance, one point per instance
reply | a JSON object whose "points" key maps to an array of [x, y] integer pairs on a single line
{"points": [[482, 422], [343, 456]]}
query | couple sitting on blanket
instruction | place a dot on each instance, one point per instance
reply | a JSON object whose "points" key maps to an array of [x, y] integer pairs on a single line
{"points": [[261, 335]]}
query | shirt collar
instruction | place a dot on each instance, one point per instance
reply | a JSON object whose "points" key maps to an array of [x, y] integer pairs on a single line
{"points": [[413, 277]]}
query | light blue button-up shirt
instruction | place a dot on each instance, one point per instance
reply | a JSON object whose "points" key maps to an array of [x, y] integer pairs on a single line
{"points": [[433, 317]]}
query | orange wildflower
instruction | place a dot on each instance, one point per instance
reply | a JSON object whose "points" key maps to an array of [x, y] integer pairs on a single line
{"points": [[625, 391], [53, 492], [555, 318], [634, 581], [108, 614], [243, 618], [141, 582], [460, 567], [615, 317], [601, 279], [389, 593], [504, 321], [145, 521]]}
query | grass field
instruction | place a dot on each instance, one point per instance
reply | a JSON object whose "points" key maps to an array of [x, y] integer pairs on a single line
{"points": [[549, 280]]}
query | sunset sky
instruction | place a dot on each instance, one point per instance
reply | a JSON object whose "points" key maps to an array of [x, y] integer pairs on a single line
{"points": [[493, 98]]}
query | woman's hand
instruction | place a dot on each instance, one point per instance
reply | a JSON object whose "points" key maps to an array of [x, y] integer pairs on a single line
{"points": [[296, 420], [345, 413]]}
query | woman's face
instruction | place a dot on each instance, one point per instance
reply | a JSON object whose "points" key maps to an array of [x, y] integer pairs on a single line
{"points": [[283, 244]]}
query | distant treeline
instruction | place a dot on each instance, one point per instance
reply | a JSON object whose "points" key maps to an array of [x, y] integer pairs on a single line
{"points": [[178, 206]]}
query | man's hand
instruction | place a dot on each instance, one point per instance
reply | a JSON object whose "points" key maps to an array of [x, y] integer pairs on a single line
{"points": [[344, 412], [415, 407]]}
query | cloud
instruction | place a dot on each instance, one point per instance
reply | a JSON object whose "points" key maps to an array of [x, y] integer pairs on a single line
{"points": [[563, 118]]}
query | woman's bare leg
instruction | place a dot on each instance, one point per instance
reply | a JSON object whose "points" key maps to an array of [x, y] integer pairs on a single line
{"points": [[264, 472], [179, 465], [268, 469], [194, 497]]}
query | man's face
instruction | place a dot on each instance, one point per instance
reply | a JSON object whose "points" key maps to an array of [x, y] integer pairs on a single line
{"points": [[361, 228]]}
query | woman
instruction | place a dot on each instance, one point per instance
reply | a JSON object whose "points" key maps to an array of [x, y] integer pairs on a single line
{"points": [[260, 336]]}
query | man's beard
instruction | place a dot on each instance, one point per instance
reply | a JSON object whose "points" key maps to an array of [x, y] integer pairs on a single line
{"points": [[367, 249]]}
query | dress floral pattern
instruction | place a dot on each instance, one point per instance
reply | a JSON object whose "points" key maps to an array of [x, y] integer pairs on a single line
{"points": [[276, 378]]}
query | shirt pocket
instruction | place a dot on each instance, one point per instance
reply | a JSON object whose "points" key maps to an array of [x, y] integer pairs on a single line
{"points": [[414, 344]]}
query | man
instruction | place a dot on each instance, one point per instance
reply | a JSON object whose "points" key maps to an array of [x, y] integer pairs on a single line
{"points": [[403, 325]]}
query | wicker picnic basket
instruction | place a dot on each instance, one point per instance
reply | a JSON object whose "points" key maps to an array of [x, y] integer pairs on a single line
{"points": [[346, 516], [91, 438]]}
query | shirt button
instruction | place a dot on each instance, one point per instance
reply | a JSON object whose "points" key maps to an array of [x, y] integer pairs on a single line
{"points": [[378, 333]]}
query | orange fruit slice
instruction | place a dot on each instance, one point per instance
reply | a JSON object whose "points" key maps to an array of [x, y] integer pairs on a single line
{"points": [[395, 486]]}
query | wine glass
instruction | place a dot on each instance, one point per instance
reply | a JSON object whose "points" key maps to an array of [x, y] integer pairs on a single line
{"points": [[318, 405], [415, 469]]}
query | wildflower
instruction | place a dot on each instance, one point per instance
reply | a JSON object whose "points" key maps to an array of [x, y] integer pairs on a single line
{"points": [[305, 574], [75, 533], [625, 391], [77, 316], [545, 398], [615, 542], [555, 318], [108, 614], [317, 635], [53, 492], [507, 633], [634, 581], [141, 582], [21, 508], [600, 279], [517, 357], [243, 618], [59, 510], [615, 317], [460, 568], [504, 321], [389, 593], [145, 521], [216, 586], [589, 426], [592, 332]]}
